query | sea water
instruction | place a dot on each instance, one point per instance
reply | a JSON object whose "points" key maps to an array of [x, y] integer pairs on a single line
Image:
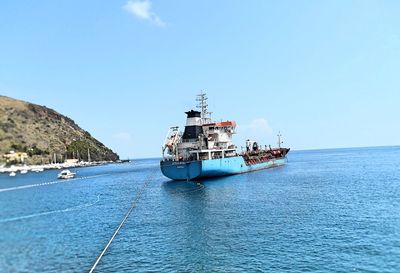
{"points": [[325, 211]]}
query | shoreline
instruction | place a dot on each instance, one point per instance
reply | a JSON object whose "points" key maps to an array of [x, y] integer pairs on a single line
{"points": [[23, 169]]}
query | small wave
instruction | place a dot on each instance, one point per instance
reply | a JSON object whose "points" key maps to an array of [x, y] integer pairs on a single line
{"points": [[198, 187], [51, 212]]}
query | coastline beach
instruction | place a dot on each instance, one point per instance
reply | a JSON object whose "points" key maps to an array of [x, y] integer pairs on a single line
{"points": [[23, 169]]}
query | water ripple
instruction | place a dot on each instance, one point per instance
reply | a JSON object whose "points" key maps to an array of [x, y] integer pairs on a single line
{"points": [[78, 207]]}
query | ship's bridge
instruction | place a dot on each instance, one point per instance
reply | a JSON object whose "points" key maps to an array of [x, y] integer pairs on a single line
{"points": [[219, 134]]}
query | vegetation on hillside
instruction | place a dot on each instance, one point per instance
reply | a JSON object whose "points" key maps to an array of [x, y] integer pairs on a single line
{"points": [[44, 134]]}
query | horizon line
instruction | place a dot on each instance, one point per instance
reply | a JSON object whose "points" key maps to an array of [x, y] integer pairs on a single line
{"points": [[301, 150]]}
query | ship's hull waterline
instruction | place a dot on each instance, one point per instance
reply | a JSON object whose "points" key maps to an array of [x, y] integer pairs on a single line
{"points": [[195, 170]]}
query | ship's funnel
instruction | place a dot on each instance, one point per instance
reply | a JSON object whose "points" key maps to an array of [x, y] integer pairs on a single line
{"points": [[193, 126]]}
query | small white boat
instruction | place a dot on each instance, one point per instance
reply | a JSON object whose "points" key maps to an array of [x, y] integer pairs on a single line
{"points": [[37, 170], [66, 174], [12, 174], [24, 171]]}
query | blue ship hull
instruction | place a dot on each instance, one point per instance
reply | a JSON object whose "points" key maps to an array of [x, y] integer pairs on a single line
{"points": [[194, 170]]}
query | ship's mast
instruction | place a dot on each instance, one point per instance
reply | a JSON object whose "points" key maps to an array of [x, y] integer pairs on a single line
{"points": [[203, 106], [279, 139]]}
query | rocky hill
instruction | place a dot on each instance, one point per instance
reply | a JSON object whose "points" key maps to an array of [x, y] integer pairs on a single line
{"points": [[42, 133]]}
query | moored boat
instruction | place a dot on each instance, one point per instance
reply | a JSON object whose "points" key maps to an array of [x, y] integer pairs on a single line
{"points": [[66, 174], [38, 169]]}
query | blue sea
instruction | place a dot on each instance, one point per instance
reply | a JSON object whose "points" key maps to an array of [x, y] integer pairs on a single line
{"points": [[325, 211]]}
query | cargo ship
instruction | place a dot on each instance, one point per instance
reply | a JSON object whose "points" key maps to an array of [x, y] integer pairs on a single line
{"points": [[205, 149]]}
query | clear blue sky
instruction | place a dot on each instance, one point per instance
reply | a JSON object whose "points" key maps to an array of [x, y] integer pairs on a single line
{"points": [[325, 73]]}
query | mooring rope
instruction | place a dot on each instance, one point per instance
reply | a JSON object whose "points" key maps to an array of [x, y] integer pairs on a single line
{"points": [[127, 214]]}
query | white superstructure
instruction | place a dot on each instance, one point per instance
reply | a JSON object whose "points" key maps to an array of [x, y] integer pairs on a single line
{"points": [[201, 139]]}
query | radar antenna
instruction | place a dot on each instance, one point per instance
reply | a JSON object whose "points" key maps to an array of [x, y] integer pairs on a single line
{"points": [[203, 106]]}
